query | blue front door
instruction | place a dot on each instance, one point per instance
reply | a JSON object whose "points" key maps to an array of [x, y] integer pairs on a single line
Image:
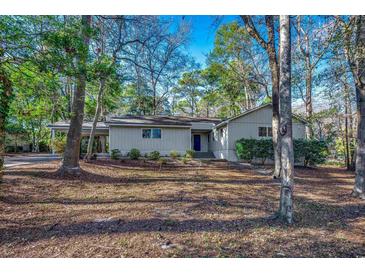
{"points": [[197, 142]]}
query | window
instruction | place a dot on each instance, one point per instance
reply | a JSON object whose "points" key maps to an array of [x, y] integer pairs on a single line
{"points": [[269, 131], [265, 132], [262, 131], [151, 133]]}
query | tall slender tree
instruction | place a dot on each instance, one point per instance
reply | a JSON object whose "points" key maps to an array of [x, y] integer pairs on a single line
{"points": [[5, 98], [313, 42], [287, 153], [269, 46], [70, 163], [352, 41], [102, 67], [359, 75]]}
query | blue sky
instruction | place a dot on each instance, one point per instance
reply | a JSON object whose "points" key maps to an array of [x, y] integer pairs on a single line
{"points": [[203, 29]]}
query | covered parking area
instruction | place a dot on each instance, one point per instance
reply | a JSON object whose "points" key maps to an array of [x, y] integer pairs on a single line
{"points": [[101, 139]]}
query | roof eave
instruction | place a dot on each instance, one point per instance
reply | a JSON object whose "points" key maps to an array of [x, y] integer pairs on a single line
{"points": [[147, 125]]}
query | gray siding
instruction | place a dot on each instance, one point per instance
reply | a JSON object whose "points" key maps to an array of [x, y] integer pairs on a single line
{"points": [[126, 138], [247, 126], [219, 142], [201, 125]]}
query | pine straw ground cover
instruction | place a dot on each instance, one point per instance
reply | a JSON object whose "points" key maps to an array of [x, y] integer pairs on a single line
{"points": [[132, 209]]}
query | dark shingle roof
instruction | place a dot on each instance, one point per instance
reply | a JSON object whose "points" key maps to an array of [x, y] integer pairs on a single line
{"points": [[159, 120], [85, 124]]}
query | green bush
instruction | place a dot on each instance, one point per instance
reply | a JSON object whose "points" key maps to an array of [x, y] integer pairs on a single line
{"points": [[248, 149], [59, 144], [311, 152], [162, 161], [174, 154], [189, 153], [134, 154], [43, 146], [184, 160], [154, 155], [115, 154]]}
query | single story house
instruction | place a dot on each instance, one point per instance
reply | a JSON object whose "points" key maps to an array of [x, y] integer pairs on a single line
{"points": [[209, 137]]}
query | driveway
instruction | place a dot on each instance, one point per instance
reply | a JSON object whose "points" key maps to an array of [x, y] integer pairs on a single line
{"points": [[27, 159]]}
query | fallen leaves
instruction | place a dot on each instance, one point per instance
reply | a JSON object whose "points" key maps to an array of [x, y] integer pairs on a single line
{"points": [[131, 209]]}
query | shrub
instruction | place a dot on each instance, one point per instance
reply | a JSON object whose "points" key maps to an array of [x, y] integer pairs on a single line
{"points": [[9, 149], [115, 154], [83, 145], [184, 160], [174, 154], [248, 149], [189, 153], [162, 161], [59, 144], [311, 152], [154, 155], [134, 154], [43, 146]]}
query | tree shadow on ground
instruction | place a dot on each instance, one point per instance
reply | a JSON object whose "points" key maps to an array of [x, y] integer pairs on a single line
{"points": [[308, 214], [89, 177]]}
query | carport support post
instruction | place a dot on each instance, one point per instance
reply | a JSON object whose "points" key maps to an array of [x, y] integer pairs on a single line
{"points": [[52, 140], [102, 143]]}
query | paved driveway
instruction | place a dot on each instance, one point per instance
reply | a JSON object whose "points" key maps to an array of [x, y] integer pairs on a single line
{"points": [[27, 159]]}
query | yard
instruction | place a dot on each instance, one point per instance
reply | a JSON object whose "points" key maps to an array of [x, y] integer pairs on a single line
{"points": [[209, 209]]}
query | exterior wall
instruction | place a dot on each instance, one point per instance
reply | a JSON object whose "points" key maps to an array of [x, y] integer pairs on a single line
{"points": [[219, 144], [204, 145], [247, 127], [126, 138]]}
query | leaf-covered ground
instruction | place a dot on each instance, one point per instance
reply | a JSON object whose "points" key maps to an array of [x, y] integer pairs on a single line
{"points": [[132, 209]]}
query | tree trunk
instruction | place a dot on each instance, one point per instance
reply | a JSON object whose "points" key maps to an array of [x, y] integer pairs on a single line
{"points": [[5, 98], [359, 189], [70, 163], [308, 100], [16, 143], [350, 163], [2, 143], [95, 121], [347, 145], [275, 122], [287, 153], [358, 70], [274, 68], [269, 47]]}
